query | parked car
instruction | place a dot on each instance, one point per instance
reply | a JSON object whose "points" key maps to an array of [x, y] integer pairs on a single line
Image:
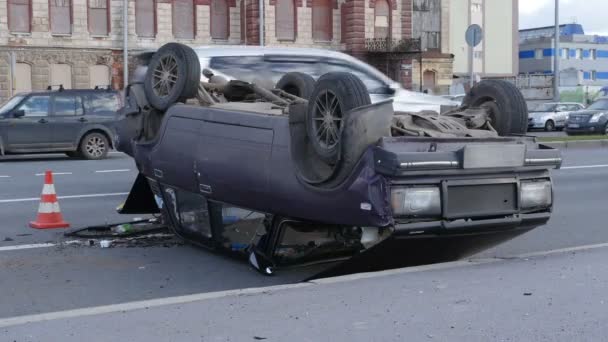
{"points": [[78, 122], [328, 174], [456, 98], [552, 116], [593, 120]]}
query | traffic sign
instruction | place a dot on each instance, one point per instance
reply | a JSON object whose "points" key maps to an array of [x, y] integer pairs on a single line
{"points": [[474, 35]]}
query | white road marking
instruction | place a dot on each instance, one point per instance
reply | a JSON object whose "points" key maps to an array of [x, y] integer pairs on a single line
{"points": [[32, 199], [54, 173], [36, 245], [2, 176], [109, 171], [583, 167]]}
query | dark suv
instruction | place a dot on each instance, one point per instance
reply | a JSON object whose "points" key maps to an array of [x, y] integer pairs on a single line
{"points": [[78, 122]]}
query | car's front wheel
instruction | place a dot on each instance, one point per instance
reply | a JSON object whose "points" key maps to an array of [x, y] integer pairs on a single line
{"points": [[549, 126], [94, 146]]}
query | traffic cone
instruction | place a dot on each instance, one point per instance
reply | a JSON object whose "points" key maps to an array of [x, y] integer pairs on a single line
{"points": [[49, 214]]}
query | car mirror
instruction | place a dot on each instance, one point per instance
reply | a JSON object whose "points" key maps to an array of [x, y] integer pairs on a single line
{"points": [[19, 113]]}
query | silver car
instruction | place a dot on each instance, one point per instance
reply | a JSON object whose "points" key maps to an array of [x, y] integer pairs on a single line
{"points": [[552, 116], [267, 65]]}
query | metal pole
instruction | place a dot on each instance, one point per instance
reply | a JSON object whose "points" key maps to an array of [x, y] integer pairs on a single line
{"points": [[11, 80], [472, 63], [125, 41], [262, 28], [557, 55]]}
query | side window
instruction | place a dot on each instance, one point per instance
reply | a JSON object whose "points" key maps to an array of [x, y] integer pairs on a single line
{"points": [[66, 105], [102, 103], [35, 106], [373, 85]]}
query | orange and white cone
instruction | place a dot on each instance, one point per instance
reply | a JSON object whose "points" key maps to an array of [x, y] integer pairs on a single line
{"points": [[49, 214]]}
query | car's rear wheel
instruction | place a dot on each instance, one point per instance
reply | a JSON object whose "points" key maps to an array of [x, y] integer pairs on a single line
{"points": [[505, 104], [549, 126], [94, 146], [298, 84], [606, 129], [334, 95], [173, 75]]}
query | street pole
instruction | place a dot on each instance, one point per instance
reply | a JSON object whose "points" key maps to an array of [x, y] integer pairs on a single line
{"points": [[557, 55], [125, 40]]}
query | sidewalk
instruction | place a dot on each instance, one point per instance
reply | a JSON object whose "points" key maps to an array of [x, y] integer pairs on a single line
{"points": [[558, 297]]}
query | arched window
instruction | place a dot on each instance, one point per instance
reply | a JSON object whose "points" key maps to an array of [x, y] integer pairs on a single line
{"points": [[382, 19], [23, 78], [285, 14], [61, 74], [99, 75], [220, 19], [145, 18], [322, 20], [183, 19]]}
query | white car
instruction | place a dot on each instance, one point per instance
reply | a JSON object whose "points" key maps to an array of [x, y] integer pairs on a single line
{"points": [[552, 116], [267, 64]]}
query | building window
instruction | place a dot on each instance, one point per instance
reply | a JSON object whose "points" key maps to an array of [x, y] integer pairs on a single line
{"points": [[145, 18], [99, 17], [60, 13], [476, 7], [538, 53], [19, 16], [61, 74], [99, 76], [422, 5], [579, 54], [382, 19], [565, 53], [285, 13], [431, 40], [322, 20], [220, 19], [593, 54], [593, 75], [478, 54], [183, 19], [23, 78]]}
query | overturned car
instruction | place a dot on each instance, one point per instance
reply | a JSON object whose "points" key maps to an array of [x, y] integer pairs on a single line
{"points": [[311, 171]]}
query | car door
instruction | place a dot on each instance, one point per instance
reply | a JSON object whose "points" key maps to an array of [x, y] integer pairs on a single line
{"points": [[561, 113], [30, 131], [67, 120]]}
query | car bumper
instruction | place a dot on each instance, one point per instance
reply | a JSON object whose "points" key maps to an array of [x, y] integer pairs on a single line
{"points": [[585, 128]]}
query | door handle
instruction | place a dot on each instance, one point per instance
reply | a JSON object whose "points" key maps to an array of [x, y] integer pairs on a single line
{"points": [[42, 121], [82, 120]]}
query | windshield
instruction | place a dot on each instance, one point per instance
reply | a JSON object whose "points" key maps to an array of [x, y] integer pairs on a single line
{"points": [[546, 107], [10, 104], [599, 105]]}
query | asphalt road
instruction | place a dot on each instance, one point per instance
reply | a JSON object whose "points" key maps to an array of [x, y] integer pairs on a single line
{"points": [[58, 278]]}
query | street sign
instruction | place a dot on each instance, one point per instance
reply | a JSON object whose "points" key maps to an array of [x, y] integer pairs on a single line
{"points": [[474, 35]]}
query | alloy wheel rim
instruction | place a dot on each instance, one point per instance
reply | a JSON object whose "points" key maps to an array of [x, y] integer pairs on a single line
{"points": [[165, 76], [95, 147], [327, 119]]}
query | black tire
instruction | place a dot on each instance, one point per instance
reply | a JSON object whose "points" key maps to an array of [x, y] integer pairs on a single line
{"points": [[341, 92], [298, 84], [507, 106], [549, 126], [606, 129], [94, 146], [173, 75]]}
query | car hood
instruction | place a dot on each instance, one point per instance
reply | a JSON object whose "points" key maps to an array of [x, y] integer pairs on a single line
{"points": [[409, 101], [588, 112], [540, 115]]}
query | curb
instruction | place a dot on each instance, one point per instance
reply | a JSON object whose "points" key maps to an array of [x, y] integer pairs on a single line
{"points": [[562, 145]]}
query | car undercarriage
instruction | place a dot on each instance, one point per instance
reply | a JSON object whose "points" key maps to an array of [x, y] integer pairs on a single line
{"points": [[310, 171]]}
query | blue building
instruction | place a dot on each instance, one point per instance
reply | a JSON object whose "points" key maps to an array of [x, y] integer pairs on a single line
{"points": [[583, 58]]}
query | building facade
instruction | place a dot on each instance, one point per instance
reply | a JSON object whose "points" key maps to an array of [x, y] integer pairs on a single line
{"points": [[496, 55], [78, 43], [583, 58]]}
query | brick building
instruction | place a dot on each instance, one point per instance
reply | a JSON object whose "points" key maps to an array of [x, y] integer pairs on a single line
{"points": [[78, 43]]}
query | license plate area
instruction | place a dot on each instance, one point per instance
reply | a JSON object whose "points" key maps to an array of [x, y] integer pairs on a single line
{"points": [[480, 198], [574, 126]]}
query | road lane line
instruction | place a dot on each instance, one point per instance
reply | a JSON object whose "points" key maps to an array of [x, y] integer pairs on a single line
{"points": [[1, 176], [584, 167], [30, 246], [32, 199], [109, 171], [55, 173]]}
